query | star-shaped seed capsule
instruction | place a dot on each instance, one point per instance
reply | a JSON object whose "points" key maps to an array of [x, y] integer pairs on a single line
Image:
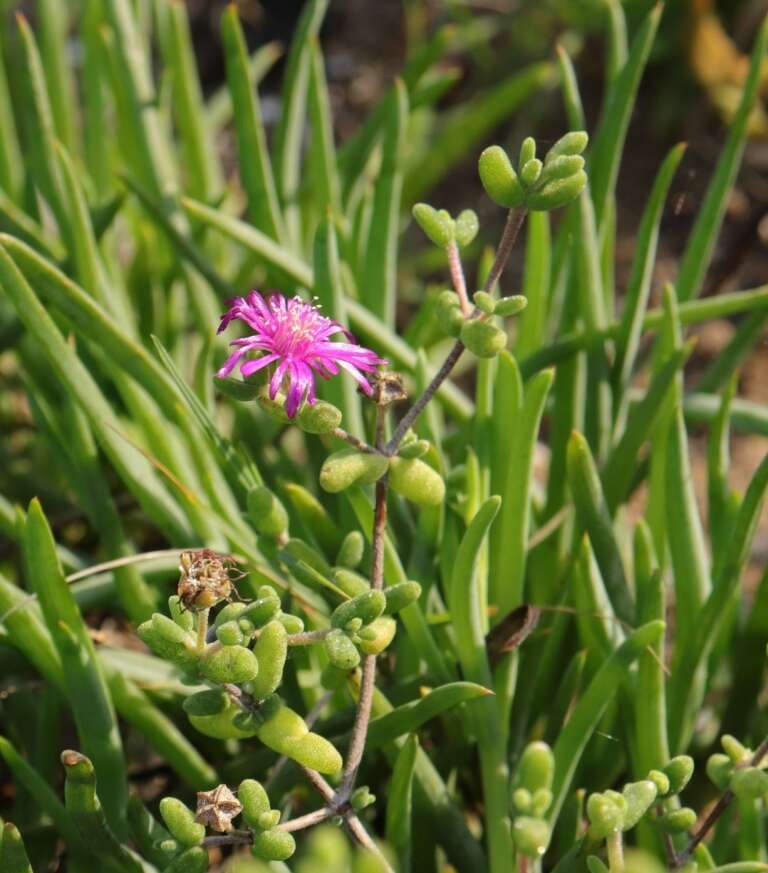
{"points": [[217, 808]]}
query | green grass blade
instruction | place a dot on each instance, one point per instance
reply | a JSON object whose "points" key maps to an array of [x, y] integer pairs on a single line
{"points": [[378, 281], [719, 494], [571, 94], [537, 277], [586, 714], [95, 88], [739, 347], [13, 854], [53, 20], [608, 141], [510, 537], [87, 691], [616, 27], [594, 516], [709, 218], [322, 152], [255, 166], [14, 220], [639, 284], [599, 631], [399, 803], [203, 174], [11, 163], [290, 128]]}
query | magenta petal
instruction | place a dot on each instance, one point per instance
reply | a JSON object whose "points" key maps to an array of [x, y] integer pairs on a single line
{"points": [[251, 367], [230, 363]]}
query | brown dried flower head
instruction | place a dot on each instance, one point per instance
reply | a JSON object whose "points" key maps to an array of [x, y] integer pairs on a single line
{"points": [[206, 578], [217, 808]]}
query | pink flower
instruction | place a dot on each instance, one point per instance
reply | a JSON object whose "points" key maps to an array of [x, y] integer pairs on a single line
{"points": [[295, 336]]}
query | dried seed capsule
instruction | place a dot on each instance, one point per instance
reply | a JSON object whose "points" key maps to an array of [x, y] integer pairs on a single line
{"points": [[271, 650], [531, 836], [499, 178], [180, 821], [483, 338], [232, 663], [572, 143], [351, 467], [318, 417], [467, 226], [274, 845], [267, 513], [436, 224], [351, 550], [254, 799], [417, 481], [342, 652], [380, 634], [401, 595], [366, 606]]}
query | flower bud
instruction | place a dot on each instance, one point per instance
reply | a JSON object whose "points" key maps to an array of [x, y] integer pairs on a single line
{"points": [[401, 595], [213, 713], [749, 783], [483, 338], [267, 513], [180, 821], [531, 836], [414, 449], [572, 143], [557, 192], [677, 821], [509, 306], [351, 550], [183, 617], [449, 314], [416, 481], [679, 771], [254, 799], [639, 797], [499, 178], [436, 224], [536, 767], [467, 226], [349, 467], [719, 770], [530, 172], [661, 781], [233, 663], [527, 151], [237, 389], [351, 583], [262, 610], [366, 606], [318, 417], [736, 751], [286, 733], [273, 845], [362, 798], [385, 628], [341, 651], [521, 800], [168, 640], [484, 302], [271, 650]]}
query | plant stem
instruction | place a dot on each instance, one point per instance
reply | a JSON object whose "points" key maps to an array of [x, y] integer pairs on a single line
{"points": [[201, 623], [362, 445], [308, 638], [719, 808], [457, 277], [515, 220], [615, 846]]}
